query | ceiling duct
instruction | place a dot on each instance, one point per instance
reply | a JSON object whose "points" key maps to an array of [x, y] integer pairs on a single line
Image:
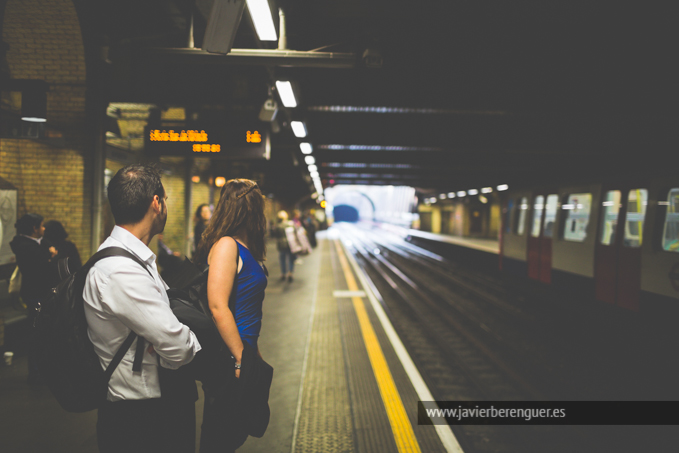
{"points": [[222, 25]]}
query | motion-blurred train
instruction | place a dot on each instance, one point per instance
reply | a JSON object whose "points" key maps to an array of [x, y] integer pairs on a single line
{"points": [[618, 241]]}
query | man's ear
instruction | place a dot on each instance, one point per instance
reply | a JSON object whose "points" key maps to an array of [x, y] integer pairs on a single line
{"points": [[157, 204]]}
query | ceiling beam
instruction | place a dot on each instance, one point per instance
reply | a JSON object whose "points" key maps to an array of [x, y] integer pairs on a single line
{"points": [[259, 57]]}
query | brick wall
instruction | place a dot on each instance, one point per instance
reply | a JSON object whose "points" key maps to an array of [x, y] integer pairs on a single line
{"points": [[200, 193], [50, 183], [53, 179], [173, 181]]}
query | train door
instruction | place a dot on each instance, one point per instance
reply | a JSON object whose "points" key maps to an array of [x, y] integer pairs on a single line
{"points": [[551, 208], [534, 240], [618, 249], [606, 250], [545, 207]]}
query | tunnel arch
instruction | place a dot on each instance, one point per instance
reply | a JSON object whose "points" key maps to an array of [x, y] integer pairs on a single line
{"points": [[355, 191]]}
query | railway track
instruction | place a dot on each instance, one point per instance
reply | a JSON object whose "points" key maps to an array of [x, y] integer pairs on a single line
{"points": [[474, 337]]}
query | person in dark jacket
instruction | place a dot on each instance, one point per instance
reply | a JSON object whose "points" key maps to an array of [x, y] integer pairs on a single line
{"points": [[38, 274], [285, 256], [56, 234]]}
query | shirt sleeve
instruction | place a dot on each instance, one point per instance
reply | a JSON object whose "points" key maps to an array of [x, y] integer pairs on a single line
{"points": [[135, 299]]}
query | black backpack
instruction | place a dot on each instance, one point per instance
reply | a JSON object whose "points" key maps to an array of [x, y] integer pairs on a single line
{"points": [[65, 354]]}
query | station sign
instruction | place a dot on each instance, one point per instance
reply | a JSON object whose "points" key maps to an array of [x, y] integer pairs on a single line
{"points": [[243, 141]]}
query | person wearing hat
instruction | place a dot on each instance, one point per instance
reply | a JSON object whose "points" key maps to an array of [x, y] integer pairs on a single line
{"points": [[38, 274]]}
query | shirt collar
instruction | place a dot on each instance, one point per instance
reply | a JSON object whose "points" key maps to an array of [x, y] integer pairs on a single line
{"points": [[133, 243], [38, 240]]}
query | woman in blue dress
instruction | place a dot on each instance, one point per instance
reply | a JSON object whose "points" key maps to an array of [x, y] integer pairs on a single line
{"points": [[234, 248]]}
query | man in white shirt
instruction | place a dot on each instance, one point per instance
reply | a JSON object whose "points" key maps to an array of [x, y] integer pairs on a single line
{"points": [[121, 296]]}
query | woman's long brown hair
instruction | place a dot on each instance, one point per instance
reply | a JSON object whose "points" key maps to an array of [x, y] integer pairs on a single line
{"points": [[240, 210]]}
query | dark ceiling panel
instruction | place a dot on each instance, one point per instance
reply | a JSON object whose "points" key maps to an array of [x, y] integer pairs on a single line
{"points": [[530, 88]]}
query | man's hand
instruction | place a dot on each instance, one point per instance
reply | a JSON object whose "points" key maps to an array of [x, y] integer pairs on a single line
{"points": [[53, 251]]}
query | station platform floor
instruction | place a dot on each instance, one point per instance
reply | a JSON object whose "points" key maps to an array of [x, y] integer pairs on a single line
{"points": [[342, 380]]}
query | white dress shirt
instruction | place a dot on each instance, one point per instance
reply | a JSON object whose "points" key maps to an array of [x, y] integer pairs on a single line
{"points": [[121, 296]]}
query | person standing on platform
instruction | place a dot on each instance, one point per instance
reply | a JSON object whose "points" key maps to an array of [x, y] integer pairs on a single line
{"points": [[120, 296], [297, 217], [285, 256], [311, 225], [35, 259], [234, 248], [56, 234], [169, 261], [200, 220]]}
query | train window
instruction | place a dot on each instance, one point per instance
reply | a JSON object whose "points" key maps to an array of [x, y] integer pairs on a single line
{"points": [[671, 231], [577, 219], [508, 216], [637, 201], [522, 206], [609, 216], [550, 215], [538, 207]]}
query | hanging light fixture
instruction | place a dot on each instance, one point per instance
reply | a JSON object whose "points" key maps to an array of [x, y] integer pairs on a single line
{"points": [[34, 106]]}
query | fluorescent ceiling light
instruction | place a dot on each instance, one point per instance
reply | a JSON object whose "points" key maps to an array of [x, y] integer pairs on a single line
{"points": [[287, 95], [309, 160], [314, 174], [261, 16], [312, 167], [336, 147], [451, 195], [442, 196], [305, 147], [502, 187], [487, 190], [298, 128], [472, 192], [461, 193], [381, 109], [34, 119]]}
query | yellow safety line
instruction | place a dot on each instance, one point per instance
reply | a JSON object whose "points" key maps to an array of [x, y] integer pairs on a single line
{"points": [[400, 424]]}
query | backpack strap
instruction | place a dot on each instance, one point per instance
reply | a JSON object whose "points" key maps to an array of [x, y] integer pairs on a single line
{"points": [[115, 361], [139, 353]]}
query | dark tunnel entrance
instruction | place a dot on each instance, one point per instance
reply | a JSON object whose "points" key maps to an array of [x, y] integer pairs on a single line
{"points": [[345, 213]]}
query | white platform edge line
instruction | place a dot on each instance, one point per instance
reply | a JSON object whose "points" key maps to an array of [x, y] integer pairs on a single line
{"points": [[444, 432], [298, 411]]}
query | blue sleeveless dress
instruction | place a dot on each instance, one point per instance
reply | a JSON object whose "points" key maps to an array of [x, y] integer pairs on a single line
{"points": [[248, 292]]}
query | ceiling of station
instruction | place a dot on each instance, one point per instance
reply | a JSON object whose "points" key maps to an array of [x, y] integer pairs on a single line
{"points": [[468, 94]]}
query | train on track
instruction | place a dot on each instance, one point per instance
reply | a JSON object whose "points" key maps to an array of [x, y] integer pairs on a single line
{"points": [[619, 241]]}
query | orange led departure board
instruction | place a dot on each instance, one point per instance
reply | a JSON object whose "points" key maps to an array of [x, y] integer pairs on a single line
{"points": [[156, 135], [205, 148], [254, 137], [231, 140]]}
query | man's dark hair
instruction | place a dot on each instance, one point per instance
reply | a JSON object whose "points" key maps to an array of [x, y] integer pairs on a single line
{"points": [[55, 231], [131, 192], [27, 223]]}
